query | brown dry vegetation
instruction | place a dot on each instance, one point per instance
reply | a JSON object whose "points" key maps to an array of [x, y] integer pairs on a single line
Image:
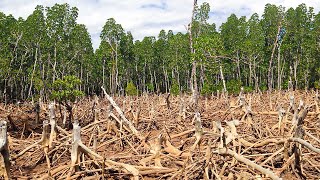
{"points": [[171, 142]]}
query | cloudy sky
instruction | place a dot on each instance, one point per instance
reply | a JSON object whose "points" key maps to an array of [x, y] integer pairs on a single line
{"points": [[147, 17]]}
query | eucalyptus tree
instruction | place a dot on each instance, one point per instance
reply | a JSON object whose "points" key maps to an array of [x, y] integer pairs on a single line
{"points": [[146, 69], [233, 33], [12, 48], [271, 22], [81, 47], [178, 52], [127, 54], [36, 37], [316, 35], [61, 20], [254, 44], [161, 59], [112, 34]]}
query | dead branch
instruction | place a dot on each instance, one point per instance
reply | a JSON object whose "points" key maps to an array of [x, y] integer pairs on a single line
{"points": [[305, 143], [125, 120], [249, 163]]}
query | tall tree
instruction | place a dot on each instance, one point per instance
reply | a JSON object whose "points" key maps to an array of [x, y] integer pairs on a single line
{"points": [[112, 34]]}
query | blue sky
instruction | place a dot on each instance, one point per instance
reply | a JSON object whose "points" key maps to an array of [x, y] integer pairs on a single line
{"points": [[148, 17]]}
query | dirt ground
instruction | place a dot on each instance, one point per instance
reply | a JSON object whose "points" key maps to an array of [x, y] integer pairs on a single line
{"points": [[246, 136]]}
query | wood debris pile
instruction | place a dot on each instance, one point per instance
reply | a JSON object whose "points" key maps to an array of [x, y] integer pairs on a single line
{"points": [[246, 136]]}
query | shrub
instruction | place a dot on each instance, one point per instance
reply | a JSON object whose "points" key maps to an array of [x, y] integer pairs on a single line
{"points": [[64, 90], [175, 90], [131, 89]]}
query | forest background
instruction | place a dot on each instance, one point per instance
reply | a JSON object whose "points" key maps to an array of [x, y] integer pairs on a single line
{"points": [[278, 49]]}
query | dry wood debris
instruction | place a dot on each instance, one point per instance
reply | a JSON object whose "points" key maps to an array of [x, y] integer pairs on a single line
{"points": [[152, 136]]}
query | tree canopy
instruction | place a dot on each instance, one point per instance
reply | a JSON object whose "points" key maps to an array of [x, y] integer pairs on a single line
{"points": [[278, 48]]}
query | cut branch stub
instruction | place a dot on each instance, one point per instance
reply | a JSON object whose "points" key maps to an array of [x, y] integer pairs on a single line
{"points": [[3, 134], [291, 99], [223, 143], [75, 144], [281, 113], [95, 109], [45, 134], [198, 131], [4, 147], [52, 117]]}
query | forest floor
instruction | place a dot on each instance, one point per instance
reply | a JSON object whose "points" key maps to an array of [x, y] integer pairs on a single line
{"points": [[251, 136]]}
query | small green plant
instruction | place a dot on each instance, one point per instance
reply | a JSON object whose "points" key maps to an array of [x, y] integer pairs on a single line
{"points": [[65, 93], [131, 89], [175, 90]]}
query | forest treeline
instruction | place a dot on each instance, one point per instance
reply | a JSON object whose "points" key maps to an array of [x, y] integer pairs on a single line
{"points": [[269, 52]]}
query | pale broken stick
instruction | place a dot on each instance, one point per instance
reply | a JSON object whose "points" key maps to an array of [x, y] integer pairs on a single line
{"points": [[304, 143], [125, 120], [4, 148], [246, 161]]}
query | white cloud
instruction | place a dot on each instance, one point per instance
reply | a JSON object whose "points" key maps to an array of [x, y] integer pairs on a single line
{"points": [[147, 17]]}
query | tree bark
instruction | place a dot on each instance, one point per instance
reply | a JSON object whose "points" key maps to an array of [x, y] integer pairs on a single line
{"points": [[193, 79], [271, 59]]}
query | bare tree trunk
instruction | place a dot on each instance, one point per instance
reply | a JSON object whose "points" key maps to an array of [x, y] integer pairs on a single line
{"points": [[271, 59], [222, 78], [117, 71], [250, 73], [34, 69], [279, 67], [193, 79], [238, 66], [152, 82], [103, 71], [55, 64]]}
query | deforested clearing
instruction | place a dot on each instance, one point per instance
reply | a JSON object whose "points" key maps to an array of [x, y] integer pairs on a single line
{"points": [[245, 136]]}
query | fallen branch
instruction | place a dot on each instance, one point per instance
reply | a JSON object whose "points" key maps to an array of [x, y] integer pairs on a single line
{"points": [[125, 120], [240, 158], [305, 143]]}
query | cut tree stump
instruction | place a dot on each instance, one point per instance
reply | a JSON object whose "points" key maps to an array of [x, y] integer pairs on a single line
{"points": [[4, 148]]}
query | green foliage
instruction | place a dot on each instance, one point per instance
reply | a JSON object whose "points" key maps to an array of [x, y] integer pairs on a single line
{"points": [[131, 89], [175, 90], [248, 89], [150, 87], [64, 89], [206, 89], [263, 87], [33, 51], [233, 86], [317, 84]]}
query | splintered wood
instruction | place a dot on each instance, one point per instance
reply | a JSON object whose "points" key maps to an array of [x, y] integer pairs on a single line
{"points": [[245, 136]]}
